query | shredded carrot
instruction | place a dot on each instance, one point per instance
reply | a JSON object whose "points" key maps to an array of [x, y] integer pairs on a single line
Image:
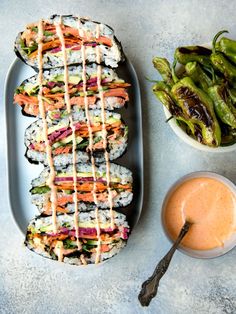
{"points": [[84, 187], [86, 197], [48, 210], [105, 248], [118, 92], [68, 41], [52, 44], [79, 101], [74, 32], [22, 99], [57, 95], [62, 150]]}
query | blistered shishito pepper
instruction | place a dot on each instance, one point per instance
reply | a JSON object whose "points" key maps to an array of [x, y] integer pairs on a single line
{"points": [[224, 66], [223, 104], [193, 53], [232, 94], [163, 94], [199, 107], [227, 46], [197, 74], [163, 67], [162, 91], [221, 63], [228, 135]]}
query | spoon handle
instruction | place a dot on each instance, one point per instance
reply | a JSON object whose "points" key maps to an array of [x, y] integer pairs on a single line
{"points": [[150, 286]]}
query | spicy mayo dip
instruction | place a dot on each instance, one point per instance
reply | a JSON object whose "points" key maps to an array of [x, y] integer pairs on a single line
{"points": [[207, 201]]}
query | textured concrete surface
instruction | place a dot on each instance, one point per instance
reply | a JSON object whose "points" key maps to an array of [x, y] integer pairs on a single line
{"points": [[30, 284]]}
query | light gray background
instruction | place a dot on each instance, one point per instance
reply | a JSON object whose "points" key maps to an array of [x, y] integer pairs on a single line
{"points": [[30, 284]]}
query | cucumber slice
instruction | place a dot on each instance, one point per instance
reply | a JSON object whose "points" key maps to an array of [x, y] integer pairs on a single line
{"points": [[70, 139], [94, 242], [46, 228], [73, 79]]}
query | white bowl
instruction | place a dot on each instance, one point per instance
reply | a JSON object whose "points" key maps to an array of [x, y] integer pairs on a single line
{"points": [[191, 141], [188, 139], [229, 244]]}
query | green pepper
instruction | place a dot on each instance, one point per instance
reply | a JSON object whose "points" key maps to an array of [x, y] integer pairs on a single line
{"points": [[223, 105], [198, 75], [162, 91], [198, 106], [228, 135], [163, 67], [189, 125], [232, 94], [224, 66], [174, 75], [227, 46], [220, 62], [193, 53], [163, 94]]}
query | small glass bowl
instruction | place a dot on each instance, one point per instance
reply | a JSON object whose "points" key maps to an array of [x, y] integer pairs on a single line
{"points": [[228, 244]]}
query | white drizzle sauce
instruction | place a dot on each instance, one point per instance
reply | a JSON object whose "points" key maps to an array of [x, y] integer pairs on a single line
{"points": [[52, 174], [83, 260], [104, 131], [98, 250], [68, 106]]}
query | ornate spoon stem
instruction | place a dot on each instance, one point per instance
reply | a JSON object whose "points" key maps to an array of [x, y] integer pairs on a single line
{"points": [[150, 286]]}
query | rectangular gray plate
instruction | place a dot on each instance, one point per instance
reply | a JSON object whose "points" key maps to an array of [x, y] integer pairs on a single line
{"points": [[21, 172]]}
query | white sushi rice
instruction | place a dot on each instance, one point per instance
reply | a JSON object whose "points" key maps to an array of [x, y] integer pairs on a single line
{"points": [[116, 171], [123, 199], [103, 215], [65, 159], [91, 70]]}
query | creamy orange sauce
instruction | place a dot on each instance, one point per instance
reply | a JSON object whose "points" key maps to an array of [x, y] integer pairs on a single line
{"points": [[68, 106], [88, 121], [104, 131], [209, 204], [52, 174]]}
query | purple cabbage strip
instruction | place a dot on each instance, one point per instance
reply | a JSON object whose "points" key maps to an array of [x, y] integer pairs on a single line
{"points": [[62, 133], [61, 179], [88, 231], [56, 134], [52, 84]]}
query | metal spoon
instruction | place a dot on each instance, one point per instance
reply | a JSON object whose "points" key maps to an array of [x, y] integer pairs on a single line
{"points": [[150, 286]]}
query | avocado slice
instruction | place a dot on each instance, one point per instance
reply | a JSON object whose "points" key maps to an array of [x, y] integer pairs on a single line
{"points": [[93, 242], [46, 228], [73, 79], [40, 190]]}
